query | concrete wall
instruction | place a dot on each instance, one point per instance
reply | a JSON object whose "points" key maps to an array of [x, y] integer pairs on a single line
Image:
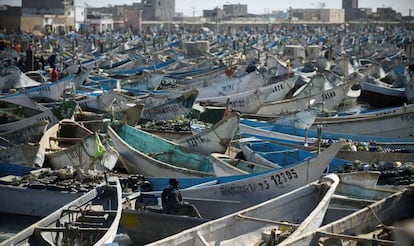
{"points": [[29, 22]]}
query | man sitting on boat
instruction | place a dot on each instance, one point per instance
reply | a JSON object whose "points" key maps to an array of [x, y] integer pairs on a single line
{"points": [[172, 201]]}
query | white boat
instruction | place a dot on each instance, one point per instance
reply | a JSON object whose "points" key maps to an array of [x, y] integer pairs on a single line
{"points": [[13, 78], [29, 134], [23, 154], [54, 91], [389, 122], [233, 196], [278, 220], [70, 144], [321, 100], [214, 139], [373, 224], [23, 117], [233, 85], [98, 103], [171, 109], [379, 93], [245, 102], [91, 219]]}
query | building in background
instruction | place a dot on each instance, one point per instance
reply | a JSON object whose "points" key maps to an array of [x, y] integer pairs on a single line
{"points": [[10, 18], [388, 14], [235, 10], [319, 15], [59, 16], [158, 10]]}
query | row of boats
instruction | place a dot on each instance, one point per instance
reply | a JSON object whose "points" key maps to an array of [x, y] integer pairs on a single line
{"points": [[257, 173]]}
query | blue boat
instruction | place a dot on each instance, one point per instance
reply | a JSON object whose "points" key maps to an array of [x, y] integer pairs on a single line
{"points": [[312, 135]]}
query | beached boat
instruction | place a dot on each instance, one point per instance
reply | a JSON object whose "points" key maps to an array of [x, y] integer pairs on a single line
{"points": [[29, 134], [171, 108], [356, 191], [310, 136], [40, 191], [13, 78], [147, 223], [19, 117], [214, 139], [322, 100], [388, 122], [229, 197], [271, 154], [278, 220], [70, 144], [53, 91], [384, 222], [233, 85], [100, 103], [245, 102], [92, 219], [23, 154], [147, 154]]}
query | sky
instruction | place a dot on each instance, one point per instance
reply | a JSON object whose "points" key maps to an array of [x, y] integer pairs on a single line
{"points": [[254, 6]]}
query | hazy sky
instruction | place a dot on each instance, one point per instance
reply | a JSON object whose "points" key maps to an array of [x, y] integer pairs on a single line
{"points": [[254, 6]]}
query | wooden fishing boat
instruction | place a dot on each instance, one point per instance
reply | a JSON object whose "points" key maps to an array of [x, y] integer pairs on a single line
{"points": [[19, 117], [388, 122], [100, 103], [289, 134], [356, 191], [54, 91], [147, 223], [171, 108], [70, 144], [278, 220], [270, 154], [323, 100], [245, 102], [30, 134], [232, 85], [23, 154], [379, 93], [238, 194], [214, 139], [14, 78], [381, 222], [92, 219], [147, 154]]}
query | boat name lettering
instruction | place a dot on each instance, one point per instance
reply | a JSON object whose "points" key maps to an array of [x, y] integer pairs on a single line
{"points": [[328, 95], [44, 118], [163, 110], [238, 104], [277, 179], [195, 141], [283, 177], [227, 87], [277, 88], [88, 196], [43, 88]]}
